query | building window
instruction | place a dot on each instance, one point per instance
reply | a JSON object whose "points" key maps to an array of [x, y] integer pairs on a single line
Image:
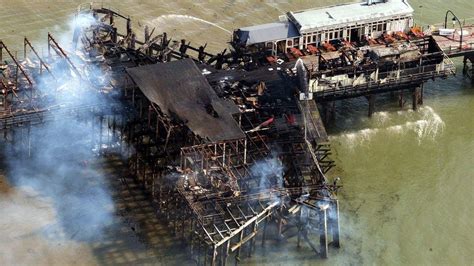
{"points": [[289, 43], [314, 38], [296, 41], [330, 35]]}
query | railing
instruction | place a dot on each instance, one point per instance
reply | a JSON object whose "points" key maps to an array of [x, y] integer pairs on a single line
{"points": [[50, 113], [406, 77], [455, 49], [448, 64]]}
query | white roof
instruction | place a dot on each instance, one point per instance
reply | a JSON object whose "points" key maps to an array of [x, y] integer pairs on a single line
{"points": [[342, 15]]}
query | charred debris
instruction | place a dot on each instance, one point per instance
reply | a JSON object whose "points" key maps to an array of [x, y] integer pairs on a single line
{"points": [[231, 147]]}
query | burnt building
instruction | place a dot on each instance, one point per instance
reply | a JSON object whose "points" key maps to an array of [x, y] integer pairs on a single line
{"points": [[350, 22]]}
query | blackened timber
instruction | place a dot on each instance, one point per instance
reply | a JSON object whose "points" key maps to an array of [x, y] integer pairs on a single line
{"points": [[30, 81], [371, 99], [62, 53], [27, 43], [314, 123], [415, 98], [222, 221], [180, 90]]}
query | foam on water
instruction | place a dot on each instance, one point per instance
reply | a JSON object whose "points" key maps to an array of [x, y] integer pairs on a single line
{"points": [[426, 125], [381, 117], [430, 126], [163, 18], [357, 138]]}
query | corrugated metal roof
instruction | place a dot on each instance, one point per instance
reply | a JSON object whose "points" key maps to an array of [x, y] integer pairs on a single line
{"points": [[267, 32], [180, 90], [334, 16]]}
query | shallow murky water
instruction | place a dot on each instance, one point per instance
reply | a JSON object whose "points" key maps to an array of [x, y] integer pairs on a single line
{"points": [[407, 176]]}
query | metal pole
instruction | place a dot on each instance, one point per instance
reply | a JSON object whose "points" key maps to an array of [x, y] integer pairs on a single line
{"points": [[460, 25]]}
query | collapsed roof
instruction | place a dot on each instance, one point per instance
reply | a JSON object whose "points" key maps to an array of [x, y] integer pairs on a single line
{"points": [[180, 90]]}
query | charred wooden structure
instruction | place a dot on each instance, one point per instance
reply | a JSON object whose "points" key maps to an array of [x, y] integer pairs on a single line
{"points": [[230, 147], [385, 59], [225, 155]]}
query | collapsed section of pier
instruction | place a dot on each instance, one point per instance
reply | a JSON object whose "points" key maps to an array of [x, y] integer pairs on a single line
{"points": [[231, 147]]}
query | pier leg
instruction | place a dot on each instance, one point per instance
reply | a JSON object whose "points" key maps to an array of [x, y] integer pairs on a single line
{"points": [[415, 96], [280, 222], [469, 67], [401, 102], [226, 253], [464, 68], [299, 231], [264, 234], [371, 99], [325, 113], [421, 94], [332, 115], [323, 233], [214, 256], [335, 224], [237, 256]]}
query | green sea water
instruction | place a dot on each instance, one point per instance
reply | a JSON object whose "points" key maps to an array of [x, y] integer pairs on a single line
{"points": [[407, 175]]}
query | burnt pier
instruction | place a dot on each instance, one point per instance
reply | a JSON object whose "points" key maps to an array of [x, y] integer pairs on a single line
{"points": [[231, 147]]}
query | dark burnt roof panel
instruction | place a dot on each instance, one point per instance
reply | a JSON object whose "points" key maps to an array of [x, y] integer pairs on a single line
{"points": [[180, 90]]}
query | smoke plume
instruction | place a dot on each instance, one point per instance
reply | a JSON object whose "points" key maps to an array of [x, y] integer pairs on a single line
{"points": [[59, 162]]}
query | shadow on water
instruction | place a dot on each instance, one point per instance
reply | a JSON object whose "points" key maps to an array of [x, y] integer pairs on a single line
{"points": [[137, 235], [124, 231]]}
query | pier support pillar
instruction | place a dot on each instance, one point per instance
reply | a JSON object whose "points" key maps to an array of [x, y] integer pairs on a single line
{"points": [[328, 111], [468, 66], [401, 101], [335, 224], [415, 97], [323, 233], [421, 94], [325, 113], [371, 99], [464, 68]]}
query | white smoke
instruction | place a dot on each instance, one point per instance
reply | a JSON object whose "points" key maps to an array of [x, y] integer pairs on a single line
{"points": [[269, 172], [62, 165]]}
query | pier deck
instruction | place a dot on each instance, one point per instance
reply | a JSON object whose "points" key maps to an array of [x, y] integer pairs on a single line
{"points": [[452, 46], [208, 184]]}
